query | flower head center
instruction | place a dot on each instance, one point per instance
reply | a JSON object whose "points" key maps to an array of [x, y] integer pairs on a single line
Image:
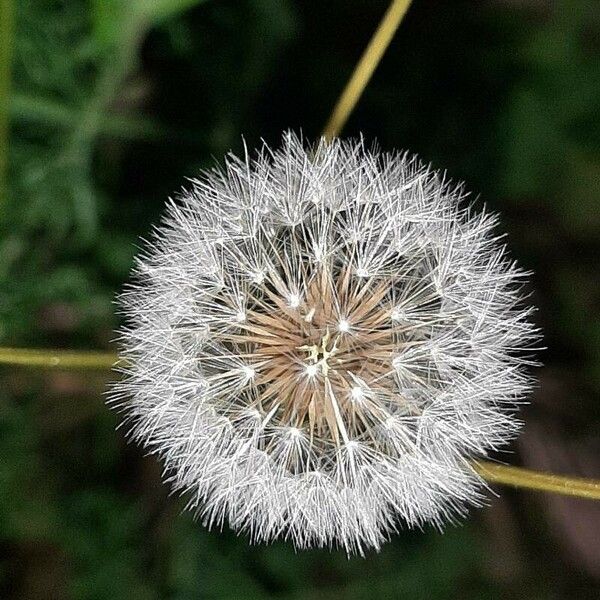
{"points": [[318, 354]]}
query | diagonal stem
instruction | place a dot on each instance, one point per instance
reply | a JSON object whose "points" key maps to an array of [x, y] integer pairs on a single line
{"points": [[537, 480], [366, 67]]}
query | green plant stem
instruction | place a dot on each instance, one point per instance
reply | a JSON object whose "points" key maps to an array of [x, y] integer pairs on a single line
{"points": [[366, 67], [7, 20], [538, 481], [58, 359], [109, 80]]}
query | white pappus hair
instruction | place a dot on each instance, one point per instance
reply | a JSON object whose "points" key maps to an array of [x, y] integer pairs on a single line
{"points": [[318, 342]]}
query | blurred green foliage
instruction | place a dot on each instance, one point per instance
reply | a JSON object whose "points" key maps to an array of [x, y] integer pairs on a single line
{"points": [[112, 102]]}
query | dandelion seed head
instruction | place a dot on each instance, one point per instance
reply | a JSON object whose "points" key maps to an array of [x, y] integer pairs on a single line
{"points": [[318, 341]]}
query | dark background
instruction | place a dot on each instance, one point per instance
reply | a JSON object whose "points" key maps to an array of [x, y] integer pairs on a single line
{"points": [[113, 102]]}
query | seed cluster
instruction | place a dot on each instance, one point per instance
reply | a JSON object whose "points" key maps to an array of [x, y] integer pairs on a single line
{"points": [[319, 340]]}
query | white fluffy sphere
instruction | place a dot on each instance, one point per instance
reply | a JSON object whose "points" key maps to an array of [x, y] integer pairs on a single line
{"points": [[318, 343]]}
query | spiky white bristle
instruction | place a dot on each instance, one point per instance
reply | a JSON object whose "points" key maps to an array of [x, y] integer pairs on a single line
{"points": [[319, 340]]}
